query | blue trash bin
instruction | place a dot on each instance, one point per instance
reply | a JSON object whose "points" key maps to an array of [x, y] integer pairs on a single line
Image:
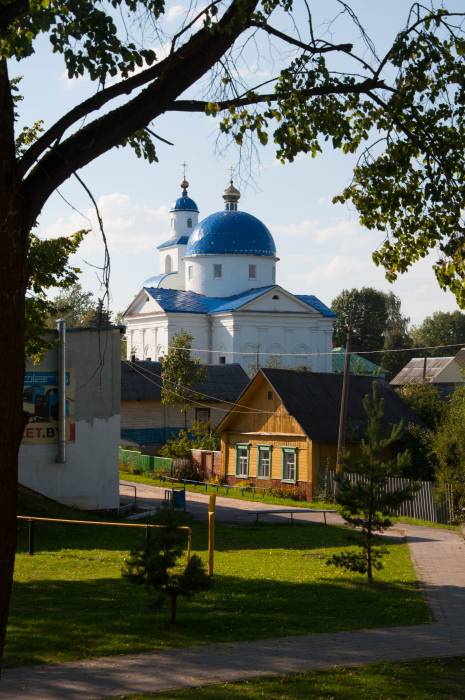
{"points": [[179, 499]]}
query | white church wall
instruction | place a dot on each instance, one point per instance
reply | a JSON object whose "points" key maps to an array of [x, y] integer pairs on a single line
{"points": [[222, 339], [183, 222], [200, 274], [198, 325], [146, 336], [272, 336]]}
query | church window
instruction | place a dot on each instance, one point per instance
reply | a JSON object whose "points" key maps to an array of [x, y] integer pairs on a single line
{"points": [[217, 270], [275, 296], [190, 272], [168, 263], [222, 360], [252, 272], [189, 223], [273, 274]]}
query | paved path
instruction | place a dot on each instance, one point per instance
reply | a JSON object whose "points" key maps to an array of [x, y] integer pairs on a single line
{"points": [[439, 558], [231, 510]]}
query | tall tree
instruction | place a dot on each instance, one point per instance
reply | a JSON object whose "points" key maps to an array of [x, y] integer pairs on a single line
{"points": [[180, 373], [377, 322], [441, 328], [402, 110], [74, 305]]}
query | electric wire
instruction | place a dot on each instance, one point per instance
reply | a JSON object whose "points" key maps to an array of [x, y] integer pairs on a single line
{"points": [[201, 404], [186, 388]]}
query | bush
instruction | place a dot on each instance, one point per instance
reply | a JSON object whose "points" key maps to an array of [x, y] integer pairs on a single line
{"points": [[291, 492]]}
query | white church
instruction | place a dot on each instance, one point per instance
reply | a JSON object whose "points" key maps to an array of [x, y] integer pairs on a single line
{"points": [[219, 282]]}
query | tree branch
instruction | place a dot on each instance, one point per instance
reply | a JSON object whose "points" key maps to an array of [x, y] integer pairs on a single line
{"points": [[181, 70], [201, 106], [301, 44]]}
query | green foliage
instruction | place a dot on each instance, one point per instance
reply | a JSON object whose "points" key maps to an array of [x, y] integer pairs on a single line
{"points": [[48, 267], [75, 305], [405, 119], [425, 400], [366, 504], [449, 448], [377, 322], [200, 436], [83, 32], [157, 566], [441, 328], [180, 373]]}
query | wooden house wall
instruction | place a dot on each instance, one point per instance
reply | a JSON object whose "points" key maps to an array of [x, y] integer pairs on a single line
{"points": [[152, 414]]}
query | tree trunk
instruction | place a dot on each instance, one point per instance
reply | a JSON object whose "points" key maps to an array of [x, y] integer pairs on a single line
{"points": [[174, 600], [14, 228], [12, 292]]}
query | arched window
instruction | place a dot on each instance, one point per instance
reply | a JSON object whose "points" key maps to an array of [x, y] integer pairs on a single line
{"points": [[168, 263], [189, 223]]}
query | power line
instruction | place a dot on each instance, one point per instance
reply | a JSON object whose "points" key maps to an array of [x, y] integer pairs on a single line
{"points": [[252, 353], [201, 404], [196, 391]]}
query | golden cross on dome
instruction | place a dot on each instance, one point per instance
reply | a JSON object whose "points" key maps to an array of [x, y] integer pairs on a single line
{"points": [[231, 171], [184, 166]]}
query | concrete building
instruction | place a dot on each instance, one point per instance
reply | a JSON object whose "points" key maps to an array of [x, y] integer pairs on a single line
{"points": [[218, 282], [84, 472], [446, 373]]}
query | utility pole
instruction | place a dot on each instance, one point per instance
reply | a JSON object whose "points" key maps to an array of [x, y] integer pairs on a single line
{"points": [[257, 363], [424, 367], [343, 412]]}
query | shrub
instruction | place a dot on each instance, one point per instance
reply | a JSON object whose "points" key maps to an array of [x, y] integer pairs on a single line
{"points": [[291, 492]]}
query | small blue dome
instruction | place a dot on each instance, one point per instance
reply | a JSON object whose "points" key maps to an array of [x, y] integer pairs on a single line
{"points": [[184, 204], [233, 232]]}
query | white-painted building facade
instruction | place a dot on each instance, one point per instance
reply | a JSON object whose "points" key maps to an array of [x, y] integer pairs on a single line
{"points": [[218, 282]]}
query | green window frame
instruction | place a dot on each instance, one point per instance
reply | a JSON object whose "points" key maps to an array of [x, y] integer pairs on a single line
{"points": [[289, 465], [264, 462], [242, 460]]}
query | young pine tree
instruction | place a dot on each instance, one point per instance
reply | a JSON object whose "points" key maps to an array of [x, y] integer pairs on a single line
{"points": [[157, 565], [366, 503]]}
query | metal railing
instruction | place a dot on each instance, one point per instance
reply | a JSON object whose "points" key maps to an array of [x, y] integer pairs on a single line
{"points": [[208, 485], [31, 520]]}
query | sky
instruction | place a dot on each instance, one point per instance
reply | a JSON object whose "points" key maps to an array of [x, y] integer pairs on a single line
{"points": [[321, 246]]}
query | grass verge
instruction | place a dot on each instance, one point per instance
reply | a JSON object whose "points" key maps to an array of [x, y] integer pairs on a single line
{"points": [[220, 490], [433, 679], [69, 600]]}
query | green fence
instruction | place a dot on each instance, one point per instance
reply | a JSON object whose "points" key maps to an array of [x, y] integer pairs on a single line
{"points": [[146, 463]]}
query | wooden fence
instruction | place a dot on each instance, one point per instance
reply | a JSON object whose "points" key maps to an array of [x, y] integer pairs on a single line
{"points": [[425, 505]]}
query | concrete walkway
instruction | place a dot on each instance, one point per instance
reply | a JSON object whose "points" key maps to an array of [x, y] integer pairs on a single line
{"points": [[230, 510], [439, 558]]}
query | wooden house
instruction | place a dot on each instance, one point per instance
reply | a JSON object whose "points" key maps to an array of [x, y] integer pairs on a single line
{"points": [[283, 430], [146, 422]]}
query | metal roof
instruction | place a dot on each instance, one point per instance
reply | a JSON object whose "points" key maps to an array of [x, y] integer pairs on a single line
{"points": [[184, 204], [178, 301], [412, 373], [358, 364], [157, 279], [140, 381], [231, 232], [181, 240], [314, 400]]}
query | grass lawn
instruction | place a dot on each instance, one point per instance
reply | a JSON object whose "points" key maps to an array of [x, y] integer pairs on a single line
{"points": [[434, 679], [69, 599]]}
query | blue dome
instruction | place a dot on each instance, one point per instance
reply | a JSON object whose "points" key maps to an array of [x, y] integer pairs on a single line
{"points": [[184, 204], [231, 232]]}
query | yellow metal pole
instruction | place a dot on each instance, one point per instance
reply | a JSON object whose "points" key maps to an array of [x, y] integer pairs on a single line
{"points": [[211, 532]]}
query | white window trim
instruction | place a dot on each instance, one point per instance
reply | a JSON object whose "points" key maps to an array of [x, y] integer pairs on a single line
{"points": [[239, 473], [262, 449], [289, 450]]}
